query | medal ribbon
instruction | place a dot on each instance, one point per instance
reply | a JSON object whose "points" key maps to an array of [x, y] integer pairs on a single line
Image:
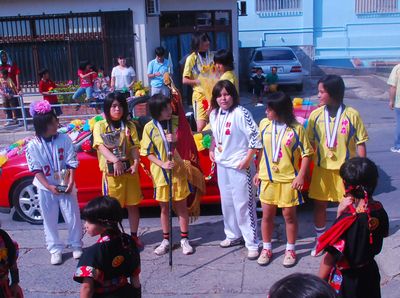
{"points": [[331, 138], [221, 125], [164, 138], [276, 145], [51, 154]]}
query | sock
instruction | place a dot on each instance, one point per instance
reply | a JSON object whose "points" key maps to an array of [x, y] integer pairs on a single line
{"points": [[184, 235], [267, 245], [319, 231], [290, 246], [166, 236]]}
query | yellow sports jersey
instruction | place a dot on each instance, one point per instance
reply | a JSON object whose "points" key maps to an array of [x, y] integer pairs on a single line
{"points": [[193, 67], [230, 76], [294, 145], [351, 132], [130, 136], [152, 143]]}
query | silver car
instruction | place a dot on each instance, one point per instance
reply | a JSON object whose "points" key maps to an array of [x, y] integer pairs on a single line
{"points": [[290, 70]]}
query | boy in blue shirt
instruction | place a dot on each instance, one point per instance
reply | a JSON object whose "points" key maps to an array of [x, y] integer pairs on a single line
{"points": [[155, 72]]}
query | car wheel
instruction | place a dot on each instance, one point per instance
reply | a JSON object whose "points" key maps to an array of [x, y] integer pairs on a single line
{"points": [[299, 87], [25, 200]]}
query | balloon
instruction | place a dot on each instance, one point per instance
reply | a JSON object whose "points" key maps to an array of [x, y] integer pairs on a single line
{"points": [[207, 141]]}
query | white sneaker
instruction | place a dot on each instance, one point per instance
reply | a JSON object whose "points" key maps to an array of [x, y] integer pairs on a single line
{"points": [[163, 248], [77, 253], [395, 150], [56, 258], [314, 251], [253, 254], [187, 249]]}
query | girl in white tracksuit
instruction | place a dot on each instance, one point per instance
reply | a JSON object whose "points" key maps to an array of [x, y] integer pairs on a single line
{"points": [[47, 155], [235, 141]]}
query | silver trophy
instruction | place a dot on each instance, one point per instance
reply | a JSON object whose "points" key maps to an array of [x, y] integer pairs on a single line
{"points": [[62, 178], [112, 141]]}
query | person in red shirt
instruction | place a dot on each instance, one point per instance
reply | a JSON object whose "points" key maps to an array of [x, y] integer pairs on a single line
{"points": [[46, 85], [86, 77], [13, 73]]}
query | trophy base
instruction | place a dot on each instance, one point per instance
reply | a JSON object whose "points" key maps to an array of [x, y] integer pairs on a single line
{"points": [[61, 188], [110, 166]]}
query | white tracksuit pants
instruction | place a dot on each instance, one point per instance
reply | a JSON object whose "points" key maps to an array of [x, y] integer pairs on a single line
{"points": [[50, 205], [238, 204]]}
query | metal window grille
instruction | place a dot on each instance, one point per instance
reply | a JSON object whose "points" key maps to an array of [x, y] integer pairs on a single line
{"points": [[376, 6], [278, 5]]}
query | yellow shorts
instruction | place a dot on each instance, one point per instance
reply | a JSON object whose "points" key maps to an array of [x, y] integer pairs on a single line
{"points": [[199, 112], [125, 188], [180, 191], [279, 194], [326, 185]]}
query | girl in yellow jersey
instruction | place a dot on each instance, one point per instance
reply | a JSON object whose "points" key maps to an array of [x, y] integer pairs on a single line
{"points": [[337, 133], [199, 58], [279, 177], [223, 60], [123, 183], [155, 144]]}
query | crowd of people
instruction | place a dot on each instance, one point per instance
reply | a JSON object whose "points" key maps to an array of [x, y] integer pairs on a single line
{"points": [[247, 155]]}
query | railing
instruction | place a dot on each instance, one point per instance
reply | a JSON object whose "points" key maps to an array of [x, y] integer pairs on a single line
{"points": [[266, 6], [376, 6]]}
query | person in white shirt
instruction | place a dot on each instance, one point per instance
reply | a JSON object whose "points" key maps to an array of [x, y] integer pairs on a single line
{"points": [[235, 141], [122, 77]]}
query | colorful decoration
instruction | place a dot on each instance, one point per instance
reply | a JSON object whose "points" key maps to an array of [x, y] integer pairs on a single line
{"points": [[39, 107], [206, 142], [140, 89], [297, 101], [208, 77], [198, 139]]}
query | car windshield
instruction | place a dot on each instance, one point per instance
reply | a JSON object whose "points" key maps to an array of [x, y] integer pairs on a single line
{"points": [[274, 55]]}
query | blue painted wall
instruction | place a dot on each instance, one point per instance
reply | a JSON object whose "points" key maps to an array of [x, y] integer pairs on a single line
{"points": [[331, 27]]}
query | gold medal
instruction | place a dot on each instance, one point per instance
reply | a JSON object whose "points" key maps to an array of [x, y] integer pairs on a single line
{"points": [[220, 148], [275, 168], [330, 154]]}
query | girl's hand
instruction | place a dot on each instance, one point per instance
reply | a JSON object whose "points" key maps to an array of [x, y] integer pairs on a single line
{"points": [[16, 291], [133, 169], [211, 154], [118, 168], [298, 183], [171, 137], [168, 165], [244, 164], [256, 180], [70, 187], [53, 189], [344, 204]]}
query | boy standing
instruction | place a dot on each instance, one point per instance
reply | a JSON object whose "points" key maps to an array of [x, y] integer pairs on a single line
{"points": [[155, 72]]}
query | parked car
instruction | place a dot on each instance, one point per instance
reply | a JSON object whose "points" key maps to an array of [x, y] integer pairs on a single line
{"points": [[289, 68]]}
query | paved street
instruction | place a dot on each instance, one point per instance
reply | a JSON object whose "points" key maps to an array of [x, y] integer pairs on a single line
{"points": [[217, 272]]}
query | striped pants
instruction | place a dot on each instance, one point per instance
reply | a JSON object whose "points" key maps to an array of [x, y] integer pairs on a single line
{"points": [[238, 204]]}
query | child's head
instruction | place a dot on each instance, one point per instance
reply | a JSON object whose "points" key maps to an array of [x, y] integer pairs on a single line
{"points": [[44, 73], [331, 90], [85, 65], [280, 108], [223, 60], [225, 96], [160, 54], [45, 121], [4, 73], [301, 285], [122, 60], [115, 107], [102, 215], [160, 107], [200, 42], [259, 71], [359, 174], [274, 70]]}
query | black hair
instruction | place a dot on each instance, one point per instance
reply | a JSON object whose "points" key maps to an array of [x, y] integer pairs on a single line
{"points": [[274, 67], [216, 92], [42, 72], [83, 64], [101, 67], [301, 285], [259, 68], [4, 72], [224, 57], [360, 171], [334, 86], [121, 56], [41, 122], [282, 105], [197, 39], [157, 103], [160, 51], [104, 211], [110, 98]]}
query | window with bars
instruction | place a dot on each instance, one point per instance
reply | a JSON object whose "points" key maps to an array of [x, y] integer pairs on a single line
{"points": [[376, 6], [266, 6]]}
